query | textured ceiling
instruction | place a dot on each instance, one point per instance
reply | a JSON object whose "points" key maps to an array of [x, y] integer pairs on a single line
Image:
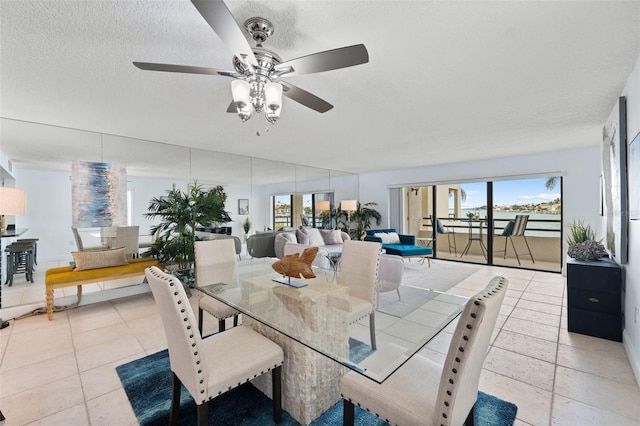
{"points": [[447, 81]]}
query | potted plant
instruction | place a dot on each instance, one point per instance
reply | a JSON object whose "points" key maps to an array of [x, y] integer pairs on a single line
{"points": [[246, 226], [355, 223], [180, 213], [583, 244]]}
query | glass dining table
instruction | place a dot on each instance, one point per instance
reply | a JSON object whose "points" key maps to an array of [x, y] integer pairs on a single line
{"points": [[310, 321]]}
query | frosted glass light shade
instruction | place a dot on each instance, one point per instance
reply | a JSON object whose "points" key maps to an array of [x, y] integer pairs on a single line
{"points": [[240, 90], [273, 101]]}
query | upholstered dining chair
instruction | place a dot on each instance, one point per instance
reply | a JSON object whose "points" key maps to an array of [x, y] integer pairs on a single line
{"points": [[209, 254], [78, 238], [390, 274], [128, 237], [423, 392], [358, 270], [195, 362]]}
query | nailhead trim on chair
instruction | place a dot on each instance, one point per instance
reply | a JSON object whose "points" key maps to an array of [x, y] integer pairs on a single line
{"points": [[367, 409], [469, 326], [188, 327]]}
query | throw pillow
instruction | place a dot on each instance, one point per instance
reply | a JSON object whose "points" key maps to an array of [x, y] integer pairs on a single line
{"points": [[315, 239], [394, 238], [383, 236], [302, 237], [99, 259], [331, 236]]}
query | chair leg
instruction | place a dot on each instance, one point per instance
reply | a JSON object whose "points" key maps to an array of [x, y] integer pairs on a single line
{"points": [[527, 244], [348, 413], [471, 418], [505, 247], [514, 250], [276, 384], [398, 290], [175, 399], [221, 325], [200, 312], [372, 330], [203, 414]]}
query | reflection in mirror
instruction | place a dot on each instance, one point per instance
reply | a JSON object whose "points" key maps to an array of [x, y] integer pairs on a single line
{"points": [[152, 168]]}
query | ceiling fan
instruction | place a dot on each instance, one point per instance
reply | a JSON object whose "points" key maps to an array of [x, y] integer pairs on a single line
{"points": [[257, 83]]}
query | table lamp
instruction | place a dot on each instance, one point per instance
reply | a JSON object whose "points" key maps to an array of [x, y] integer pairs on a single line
{"points": [[12, 202]]}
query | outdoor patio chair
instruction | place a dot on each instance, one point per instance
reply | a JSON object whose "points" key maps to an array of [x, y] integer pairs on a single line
{"points": [[516, 228]]}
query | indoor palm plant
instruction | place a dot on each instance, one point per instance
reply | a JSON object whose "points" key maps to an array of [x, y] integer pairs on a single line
{"points": [[355, 223], [582, 242], [180, 213]]}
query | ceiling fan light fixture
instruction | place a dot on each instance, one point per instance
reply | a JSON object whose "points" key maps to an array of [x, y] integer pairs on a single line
{"points": [[240, 90], [273, 101]]}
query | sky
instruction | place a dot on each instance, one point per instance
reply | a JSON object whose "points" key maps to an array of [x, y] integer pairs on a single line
{"points": [[508, 192]]}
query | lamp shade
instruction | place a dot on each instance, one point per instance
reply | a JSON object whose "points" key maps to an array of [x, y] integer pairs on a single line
{"points": [[240, 90], [349, 205], [322, 206], [13, 201]]}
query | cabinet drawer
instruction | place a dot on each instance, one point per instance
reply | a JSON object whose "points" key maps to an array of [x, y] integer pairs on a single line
{"points": [[595, 301], [600, 276], [597, 324]]}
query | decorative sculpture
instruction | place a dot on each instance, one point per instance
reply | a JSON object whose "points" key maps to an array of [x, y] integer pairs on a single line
{"points": [[297, 265]]}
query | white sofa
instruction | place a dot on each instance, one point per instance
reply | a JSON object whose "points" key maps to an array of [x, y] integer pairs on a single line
{"points": [[327, 240]]}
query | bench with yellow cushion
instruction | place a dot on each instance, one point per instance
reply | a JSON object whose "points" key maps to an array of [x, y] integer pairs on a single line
{"points": [[67, 276]]}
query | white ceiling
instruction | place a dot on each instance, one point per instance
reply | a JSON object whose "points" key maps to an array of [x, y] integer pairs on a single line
{"points": [[447, 81]]}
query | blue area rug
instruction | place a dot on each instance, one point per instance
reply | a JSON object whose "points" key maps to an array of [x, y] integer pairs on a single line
{"points": [[147, 383]]}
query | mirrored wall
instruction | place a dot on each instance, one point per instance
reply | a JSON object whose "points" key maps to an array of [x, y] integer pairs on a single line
{"points": [[42, 155]]}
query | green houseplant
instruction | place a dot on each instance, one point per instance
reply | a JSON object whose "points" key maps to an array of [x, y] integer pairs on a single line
{"points": [[180, 213], [246, 227], [355, 223], [582, 242]]}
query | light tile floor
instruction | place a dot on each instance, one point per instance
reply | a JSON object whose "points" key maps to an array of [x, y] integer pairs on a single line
{"points": [[62, 372]]}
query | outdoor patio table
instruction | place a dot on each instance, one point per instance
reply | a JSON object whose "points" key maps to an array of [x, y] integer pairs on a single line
{"points": [[475, 224]]}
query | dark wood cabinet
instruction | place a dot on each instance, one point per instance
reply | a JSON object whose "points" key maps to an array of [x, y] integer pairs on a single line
{"points": [[595, 298]]}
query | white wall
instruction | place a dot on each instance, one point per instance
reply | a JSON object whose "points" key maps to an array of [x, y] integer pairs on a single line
{"points": [[631, 270]]}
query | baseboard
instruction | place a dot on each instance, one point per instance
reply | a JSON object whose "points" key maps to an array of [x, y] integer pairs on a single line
{"points": [[634, 357], [13, 312]]}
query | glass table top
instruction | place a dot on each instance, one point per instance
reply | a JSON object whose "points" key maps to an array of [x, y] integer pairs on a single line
{"points": [[317, 314]]}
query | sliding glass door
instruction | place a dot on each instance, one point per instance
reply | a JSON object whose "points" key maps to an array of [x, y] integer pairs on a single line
{"points": [[515, 222], [527, 221]]}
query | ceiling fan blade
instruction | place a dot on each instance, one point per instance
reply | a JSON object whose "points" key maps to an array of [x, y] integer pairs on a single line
{"points": [[325, 61], [305, 98], [150, 66], [220, 19]]}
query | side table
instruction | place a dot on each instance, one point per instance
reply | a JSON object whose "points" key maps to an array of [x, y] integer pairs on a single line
{"points": [[595, 298]]}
